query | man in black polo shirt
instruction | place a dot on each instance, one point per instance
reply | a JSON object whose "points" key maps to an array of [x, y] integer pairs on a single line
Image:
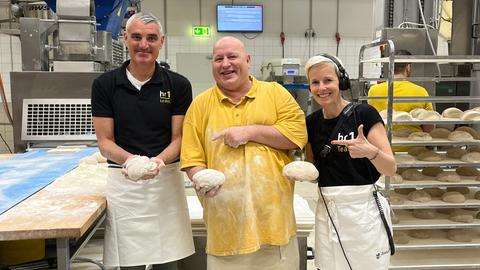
{"points": [[138, 110]]}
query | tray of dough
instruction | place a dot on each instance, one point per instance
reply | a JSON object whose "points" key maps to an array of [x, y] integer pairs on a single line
{"points": [[408, 222], [442, 121], [430, 183], [439, 240], [436, 203], [435, 259], [406, 161], [401, 141]]}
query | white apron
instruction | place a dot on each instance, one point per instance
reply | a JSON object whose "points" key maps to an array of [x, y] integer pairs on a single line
{"points": [[362, 232], [147, 221]]}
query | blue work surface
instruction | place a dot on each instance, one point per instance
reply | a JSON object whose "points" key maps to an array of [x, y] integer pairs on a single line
{"points": [[23, 175]]}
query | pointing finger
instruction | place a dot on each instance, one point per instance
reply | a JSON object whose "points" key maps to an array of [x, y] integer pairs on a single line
{"points": [[343, 142], [218, 135]]}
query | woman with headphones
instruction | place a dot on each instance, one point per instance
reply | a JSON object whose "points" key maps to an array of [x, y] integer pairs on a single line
{"points": [[350, 149]]}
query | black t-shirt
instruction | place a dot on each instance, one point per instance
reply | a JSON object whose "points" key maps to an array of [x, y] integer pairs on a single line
{"points": [[142, 119], [338, 168]]}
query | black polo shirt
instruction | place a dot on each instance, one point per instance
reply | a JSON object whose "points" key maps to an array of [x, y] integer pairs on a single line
{"points": [[142, 119]]}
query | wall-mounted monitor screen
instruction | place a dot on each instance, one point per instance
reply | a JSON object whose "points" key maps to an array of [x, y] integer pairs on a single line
{"points": [[239, 18]]}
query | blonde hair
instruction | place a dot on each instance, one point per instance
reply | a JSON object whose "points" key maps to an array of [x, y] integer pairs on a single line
{"points": [[319, 60]]}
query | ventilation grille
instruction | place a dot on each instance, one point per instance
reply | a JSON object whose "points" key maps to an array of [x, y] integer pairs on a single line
{"points": [[57, 119]]}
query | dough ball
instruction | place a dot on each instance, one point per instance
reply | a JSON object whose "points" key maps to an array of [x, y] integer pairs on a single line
{"points": [[469, 130], [93, 159], [472, 157], [461, 215], [429, 115], [453, 197], [446, 211], [404, 159], [415, 151], [432, 171], [459, 235], [448, 176], [463, 190], [400, 238], [456, 152], [470, 115], [424, 213], [416, 112], [396, 200], [460, 136], [467, 171], [300, 171], [452, 112], [420, 234], [394, 218], [476, 109], [402, 116], [395, 179], [430, 156], [138, 166], [477, 195], [440, 133], [419, 196], [434, 192], [404, 191], [208, 178], [383, 113], [402, 132], [412, 174], [419, 136]]}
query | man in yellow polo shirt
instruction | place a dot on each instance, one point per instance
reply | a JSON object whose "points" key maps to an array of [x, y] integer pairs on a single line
{"points": [[401, 88], [245, 129]]}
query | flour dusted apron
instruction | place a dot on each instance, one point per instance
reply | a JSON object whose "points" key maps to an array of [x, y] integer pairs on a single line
{"points": [[362, 232], [147, 221]]}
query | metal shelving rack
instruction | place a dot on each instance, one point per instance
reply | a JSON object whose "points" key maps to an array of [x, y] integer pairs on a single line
{"points": [[438, 252]]}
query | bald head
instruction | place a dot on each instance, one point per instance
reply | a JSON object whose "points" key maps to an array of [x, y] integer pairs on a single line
{"points": [[229, 42]]}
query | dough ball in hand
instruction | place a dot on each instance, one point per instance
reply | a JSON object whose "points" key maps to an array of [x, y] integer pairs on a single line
{"points": [[300, 171], [208, 178], [138, 166]]}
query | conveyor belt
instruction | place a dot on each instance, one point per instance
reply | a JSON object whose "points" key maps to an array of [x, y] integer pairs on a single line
{"points": [[25, 174]]}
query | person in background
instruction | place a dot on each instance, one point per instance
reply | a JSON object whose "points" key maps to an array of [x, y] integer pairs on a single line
{"points": [[350, 157], [401, 89], [245, 129], [138, 110]]}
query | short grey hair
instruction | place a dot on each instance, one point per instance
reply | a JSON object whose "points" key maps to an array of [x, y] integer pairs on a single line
{"points": [[146, 18]]}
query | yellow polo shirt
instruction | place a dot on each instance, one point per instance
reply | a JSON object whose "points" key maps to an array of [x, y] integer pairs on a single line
{"points": [[400, 89], [254, 207]]}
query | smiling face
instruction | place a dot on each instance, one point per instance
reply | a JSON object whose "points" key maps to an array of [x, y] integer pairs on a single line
{"points": [[323, 82], [143, 41], [230, 65]]}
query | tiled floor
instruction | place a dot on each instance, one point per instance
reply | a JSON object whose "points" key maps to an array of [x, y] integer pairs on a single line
{"points": [[94, 248]]}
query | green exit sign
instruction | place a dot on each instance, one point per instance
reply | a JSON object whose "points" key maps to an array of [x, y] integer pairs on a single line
{"points": [[201, 31]]}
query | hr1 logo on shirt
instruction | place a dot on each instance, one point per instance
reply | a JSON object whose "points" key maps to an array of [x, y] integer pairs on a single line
{"points": [[165, 96], [348, 136]]}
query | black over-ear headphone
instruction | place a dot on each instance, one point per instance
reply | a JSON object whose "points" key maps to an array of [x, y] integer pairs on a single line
{"points": [[343, 79]]}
